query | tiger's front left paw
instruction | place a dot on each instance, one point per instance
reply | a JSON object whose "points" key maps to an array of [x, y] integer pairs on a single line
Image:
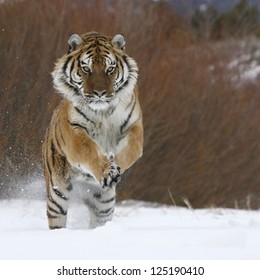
{"points": [[112, 176]]}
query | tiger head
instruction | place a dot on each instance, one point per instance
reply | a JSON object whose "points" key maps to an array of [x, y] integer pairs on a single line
{"points": [[96, 72]]}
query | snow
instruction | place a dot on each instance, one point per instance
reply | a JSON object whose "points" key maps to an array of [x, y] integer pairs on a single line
{"points": [[251, 73], [247, 70], [138, 231], [245, 64]]}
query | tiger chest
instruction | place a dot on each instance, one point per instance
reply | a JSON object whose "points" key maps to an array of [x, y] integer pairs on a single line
{"points": [[107, 135], [106, 131]]}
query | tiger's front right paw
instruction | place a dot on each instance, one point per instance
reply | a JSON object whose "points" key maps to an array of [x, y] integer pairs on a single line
{"points": [[112, 176]]}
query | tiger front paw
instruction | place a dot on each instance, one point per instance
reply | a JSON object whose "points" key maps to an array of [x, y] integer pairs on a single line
{"points": [[112, 175]]}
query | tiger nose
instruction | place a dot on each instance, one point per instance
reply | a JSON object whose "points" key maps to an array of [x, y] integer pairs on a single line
{"points": [[99, 93]]}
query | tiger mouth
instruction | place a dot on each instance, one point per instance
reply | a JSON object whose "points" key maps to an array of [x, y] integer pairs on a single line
{"points": [[97, 102], [99, 105], [100, 100]]}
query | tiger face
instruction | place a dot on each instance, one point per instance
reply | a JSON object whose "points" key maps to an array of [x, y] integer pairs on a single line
{"points": [[96, 72]]}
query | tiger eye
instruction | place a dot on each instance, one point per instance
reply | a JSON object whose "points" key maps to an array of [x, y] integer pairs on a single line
{"points": [[86, 69], [110, 69]]}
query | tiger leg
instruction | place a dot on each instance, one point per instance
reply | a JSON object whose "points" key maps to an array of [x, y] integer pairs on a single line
{"points": [[101, 205], [58, 187], [57, 202]]}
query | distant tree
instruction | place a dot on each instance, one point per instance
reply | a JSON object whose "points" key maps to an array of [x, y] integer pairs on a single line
{"points": [[203, 21], [241, 20]]}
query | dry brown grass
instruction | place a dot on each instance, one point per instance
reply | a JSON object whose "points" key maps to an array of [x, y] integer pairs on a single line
{"points": [[201, 137], [202, 140]]}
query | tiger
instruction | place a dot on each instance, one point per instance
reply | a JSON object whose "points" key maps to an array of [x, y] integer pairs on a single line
{"points": [[96, 132]]}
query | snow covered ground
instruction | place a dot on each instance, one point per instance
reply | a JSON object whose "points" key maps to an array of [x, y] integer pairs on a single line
{"points": [[243, 66], [138, 231]]}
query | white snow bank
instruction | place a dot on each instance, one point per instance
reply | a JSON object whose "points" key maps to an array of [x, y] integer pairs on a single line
{"points": [[245, 64], [246, 70], [138, 231]]}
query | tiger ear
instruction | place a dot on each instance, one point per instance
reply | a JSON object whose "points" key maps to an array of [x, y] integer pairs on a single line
{"points": [[119, 41], [74, 41]]}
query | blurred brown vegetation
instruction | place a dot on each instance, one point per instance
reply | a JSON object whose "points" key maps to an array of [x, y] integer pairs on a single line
{"points": [[202, 142], [240, 21]]}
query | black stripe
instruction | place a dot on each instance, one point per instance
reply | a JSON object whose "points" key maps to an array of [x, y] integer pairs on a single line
{"points": [[79, 126], [82, 114], [128, 118], [130, 76], [47, 163], [66, 64], [61, 136], [97, 195], [97, 211], [71, 67], [121, 82], [106, 211], [131, 101], [58, 206], [108, 201], [123, 85], [63, 80], [91, 205], [52, 210], [69, 187], [53, 153], [49, 169], [121, 63], [78, 83], [56, 227], [89, 51], [57, 142], [50, 216], [64, 162], [59, 194]]}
